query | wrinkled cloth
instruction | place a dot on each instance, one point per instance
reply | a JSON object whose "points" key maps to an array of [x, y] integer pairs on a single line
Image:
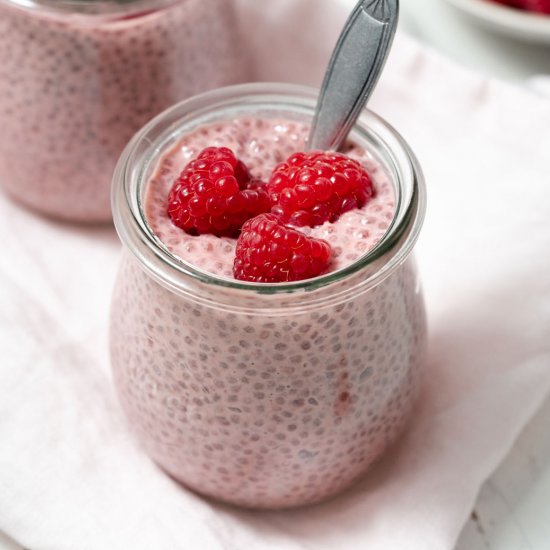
{"points": [[71, 475]]}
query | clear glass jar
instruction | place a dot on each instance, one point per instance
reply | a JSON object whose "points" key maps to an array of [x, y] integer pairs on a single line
{"points": [[262, 395], [78, 78]]}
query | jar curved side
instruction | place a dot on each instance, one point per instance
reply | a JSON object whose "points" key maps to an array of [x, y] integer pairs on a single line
{"points": [[264, 411]]}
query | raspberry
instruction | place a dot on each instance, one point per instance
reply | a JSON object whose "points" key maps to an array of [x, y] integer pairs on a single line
{"points": [[538, 6], [216, 194], [511, 3], [270, 252], [315, 187]]}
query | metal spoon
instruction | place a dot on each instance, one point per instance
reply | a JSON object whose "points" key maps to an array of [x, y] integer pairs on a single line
{"points": [[353, 70]]}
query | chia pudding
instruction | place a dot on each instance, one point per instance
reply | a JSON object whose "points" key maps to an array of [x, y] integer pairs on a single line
{"points": [[78, 79], [262, 144], [278, 395]]}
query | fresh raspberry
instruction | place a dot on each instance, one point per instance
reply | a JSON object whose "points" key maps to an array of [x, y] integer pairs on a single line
{"points": [[315, 187], [216, 194], [511, 3], [538, 6], [270, 252]]}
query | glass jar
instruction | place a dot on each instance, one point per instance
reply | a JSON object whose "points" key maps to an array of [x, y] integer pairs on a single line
{"points": [[78, 78], [262, 395]]}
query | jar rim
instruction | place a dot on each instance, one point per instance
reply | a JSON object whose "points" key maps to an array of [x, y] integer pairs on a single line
{"points": [[173, 272], [95, 9]]}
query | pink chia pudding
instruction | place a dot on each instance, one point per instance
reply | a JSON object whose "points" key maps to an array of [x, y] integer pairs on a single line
{"points": [[262, 144], [79, 78], [267, 396]]}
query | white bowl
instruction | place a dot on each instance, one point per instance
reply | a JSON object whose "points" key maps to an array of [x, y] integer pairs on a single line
{"points": [[517, 23]]}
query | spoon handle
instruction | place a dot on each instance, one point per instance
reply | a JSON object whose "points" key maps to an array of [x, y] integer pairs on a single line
{"points": [[353, 70]]}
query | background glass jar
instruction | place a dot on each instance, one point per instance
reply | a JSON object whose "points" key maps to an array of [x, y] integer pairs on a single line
{"points": [[79, 78], [265, 395]]}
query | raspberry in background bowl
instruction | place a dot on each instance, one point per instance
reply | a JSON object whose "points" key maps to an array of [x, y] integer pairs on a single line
{"points": [[78, 78], [533, 6], [264, 395], [513, 22]]}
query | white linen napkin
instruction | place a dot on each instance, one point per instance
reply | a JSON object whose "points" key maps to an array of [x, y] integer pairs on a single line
{"points": [[72, 477]]}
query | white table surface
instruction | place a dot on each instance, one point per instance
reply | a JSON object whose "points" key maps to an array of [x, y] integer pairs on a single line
{"points": [[513, 508]]}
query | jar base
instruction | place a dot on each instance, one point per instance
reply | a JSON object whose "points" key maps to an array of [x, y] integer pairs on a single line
{"points": [[288, 502]]}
